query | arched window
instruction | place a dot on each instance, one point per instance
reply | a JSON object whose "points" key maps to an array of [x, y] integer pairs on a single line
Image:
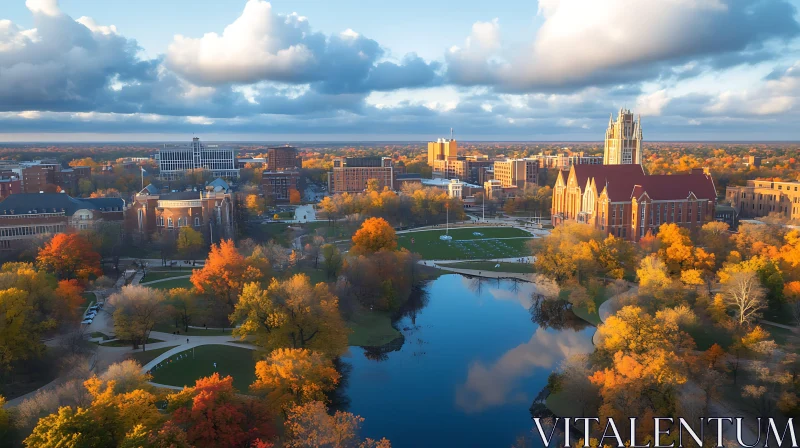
{"points": [[197, 221], [169, 222]]}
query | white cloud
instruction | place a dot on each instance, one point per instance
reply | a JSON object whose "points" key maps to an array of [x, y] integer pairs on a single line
{"points": [[46, 7], [774, 97], [205, 121], [89, 22], [653, 103]]}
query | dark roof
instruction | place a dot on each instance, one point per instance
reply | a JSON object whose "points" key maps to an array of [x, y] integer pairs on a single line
{"points": [[629, 181], [25, 203], [180, 196], [619, 179], [408, 176]]}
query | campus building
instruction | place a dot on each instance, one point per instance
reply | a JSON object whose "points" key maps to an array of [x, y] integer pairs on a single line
{"points": [[351, 174], [623, 201], [278, 184], [209, 212], [623, 142], [175, 160], [516, 172], [283, 158], [564, 161], [442, 149], [30, 216], [761, 197]]}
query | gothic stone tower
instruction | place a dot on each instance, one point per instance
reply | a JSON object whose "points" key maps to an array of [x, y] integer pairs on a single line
{"points": [[623, 140]]}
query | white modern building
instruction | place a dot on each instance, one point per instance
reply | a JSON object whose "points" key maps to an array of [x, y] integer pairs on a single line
{"points": [[175, 160]]}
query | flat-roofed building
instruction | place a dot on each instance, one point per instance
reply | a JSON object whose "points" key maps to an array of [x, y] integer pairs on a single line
{"points": [[175, 160], [283, 158], [442, 149], [279, 184], [761, 197], [516, 172], [351, 174]]}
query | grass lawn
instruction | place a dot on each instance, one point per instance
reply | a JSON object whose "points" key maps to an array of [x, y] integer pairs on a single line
{"points": [[521, 268], [234, 361], [97, 334], [593, 318], [314, 275], [780, 335], [88, 298], [705, 335], [371, 328], [145, 357], [466, 244], [170, 284], [168, 327], [160, 275], [121, 343]]}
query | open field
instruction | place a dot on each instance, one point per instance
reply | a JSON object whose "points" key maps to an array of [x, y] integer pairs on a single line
{"points": [[469, 243], [521, 268], [170, 284], [161, 275], [149, 355], [168, 327], [236, 362]]}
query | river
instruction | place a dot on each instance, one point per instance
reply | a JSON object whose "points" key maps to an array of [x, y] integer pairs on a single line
{"points": [[472, 362]]}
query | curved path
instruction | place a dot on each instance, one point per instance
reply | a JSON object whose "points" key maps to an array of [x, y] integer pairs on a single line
{"points": [[161, 280]]}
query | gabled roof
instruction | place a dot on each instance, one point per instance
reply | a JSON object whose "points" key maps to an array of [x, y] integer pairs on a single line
{"points": [[28, 203], [218, 185], [150, 189], [679, 186], [619, 180]]}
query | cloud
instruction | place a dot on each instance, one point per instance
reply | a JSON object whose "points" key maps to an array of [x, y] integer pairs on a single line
{"points": [[261, 45], [586, 42]]}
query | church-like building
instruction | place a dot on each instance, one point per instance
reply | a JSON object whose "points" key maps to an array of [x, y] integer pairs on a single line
{"points": [[620, 199]]}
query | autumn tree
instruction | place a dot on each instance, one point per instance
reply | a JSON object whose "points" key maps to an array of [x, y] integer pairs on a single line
{"points": [[332, 260], [255, 205], [294, 196], [311, 426], [290, 377], [137, 309], [213, 414], [183, 305], [224, 274], [291, 313], [374, 235], [743, 292], [69, 256], [189, 242], [20, 330]]}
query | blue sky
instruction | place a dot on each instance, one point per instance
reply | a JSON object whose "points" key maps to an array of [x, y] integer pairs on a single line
{"points": [[358, 70]]}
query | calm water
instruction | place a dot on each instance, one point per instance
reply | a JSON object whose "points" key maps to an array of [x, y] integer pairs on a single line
{"points": [[470, 367]]}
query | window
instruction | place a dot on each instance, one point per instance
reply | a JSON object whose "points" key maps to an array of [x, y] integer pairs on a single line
{"points": [[196, 222], [169, 222]]}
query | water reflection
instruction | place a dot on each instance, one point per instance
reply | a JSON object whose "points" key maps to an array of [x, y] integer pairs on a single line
{"points": [[499, 383], [554, 313], [471, 361]]}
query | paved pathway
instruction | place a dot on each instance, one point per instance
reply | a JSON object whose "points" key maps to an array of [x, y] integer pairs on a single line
{"points": [[161, 280], [775, 324]]}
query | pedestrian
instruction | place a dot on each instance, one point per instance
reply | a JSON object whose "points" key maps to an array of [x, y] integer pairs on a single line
{"points": [[215, 366], [187, 340]]}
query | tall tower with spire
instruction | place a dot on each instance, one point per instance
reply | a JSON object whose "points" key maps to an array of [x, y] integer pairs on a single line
{"points": [[623, 145]]}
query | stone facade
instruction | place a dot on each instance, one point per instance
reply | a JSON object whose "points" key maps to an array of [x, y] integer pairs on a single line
{"points": [[623, 142], [761, 197]]}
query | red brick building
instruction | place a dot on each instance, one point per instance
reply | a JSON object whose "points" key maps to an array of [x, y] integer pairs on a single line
{"points": [[9, 185], [278, 184], [283, 158], [623, 201], [209, 212]]}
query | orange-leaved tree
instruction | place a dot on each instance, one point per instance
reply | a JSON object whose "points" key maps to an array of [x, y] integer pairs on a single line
{"points": [[374, 235], [215, 415], [293, 376], [69, 256], [224, 274]]}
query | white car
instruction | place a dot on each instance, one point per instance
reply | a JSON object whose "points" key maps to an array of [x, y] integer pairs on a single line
{"points": [[87, 321]]}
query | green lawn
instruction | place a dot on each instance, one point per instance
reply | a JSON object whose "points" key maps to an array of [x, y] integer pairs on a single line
{"points": [[521, 268], [593, 317], [705, 335], [160, 275], [121, 343], [170, 284], [466, 244], [168, 327], [234, 361], [371, 328], [314, 275], [145, 357], [88, 298], [780, 335]]}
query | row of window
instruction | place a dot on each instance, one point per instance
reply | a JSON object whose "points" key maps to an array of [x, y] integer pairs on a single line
{"points": [[32, 230], [182, 222]]}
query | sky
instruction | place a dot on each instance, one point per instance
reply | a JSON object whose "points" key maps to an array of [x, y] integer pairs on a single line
{"points": [[317, 70]]}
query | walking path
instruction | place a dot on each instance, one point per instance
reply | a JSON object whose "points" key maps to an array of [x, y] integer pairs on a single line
{"points": [[161, 280], [775, 324]]}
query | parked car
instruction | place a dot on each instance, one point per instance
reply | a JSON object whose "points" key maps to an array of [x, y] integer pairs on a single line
{"points": [[87, 321]]}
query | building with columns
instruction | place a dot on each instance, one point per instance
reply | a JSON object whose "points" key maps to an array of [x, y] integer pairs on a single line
{"points": [[623, 142]]}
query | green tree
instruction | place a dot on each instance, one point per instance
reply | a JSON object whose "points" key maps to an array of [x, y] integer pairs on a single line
{"points": [[190, 242], [332, 260]]}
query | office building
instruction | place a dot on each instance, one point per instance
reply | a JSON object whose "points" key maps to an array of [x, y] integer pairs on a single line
{"points": [[623, 201], [761, 197], [516, 172], [31, 216], [175, 160], [279, 184], [283, 158], [351, 174], [9, 185], [623, 142], [442, 149]]}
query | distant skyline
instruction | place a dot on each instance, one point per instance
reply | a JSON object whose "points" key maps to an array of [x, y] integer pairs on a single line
{"points": [[251, 70]]}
